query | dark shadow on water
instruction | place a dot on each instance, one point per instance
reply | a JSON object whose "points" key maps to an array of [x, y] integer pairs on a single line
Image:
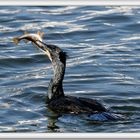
{"points": [[52, 120]]}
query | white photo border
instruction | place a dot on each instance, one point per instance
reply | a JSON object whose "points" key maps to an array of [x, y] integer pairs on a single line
{"points": [[69, 135], [68, 2]]}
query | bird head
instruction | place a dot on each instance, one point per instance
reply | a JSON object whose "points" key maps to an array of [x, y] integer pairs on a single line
{"points": [[54, 53]]}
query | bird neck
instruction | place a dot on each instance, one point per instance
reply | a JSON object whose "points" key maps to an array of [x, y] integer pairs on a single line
{"points": [[55, 88]]}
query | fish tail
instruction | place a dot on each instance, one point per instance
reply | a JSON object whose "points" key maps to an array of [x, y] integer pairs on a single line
{"points": [[16, 40]]}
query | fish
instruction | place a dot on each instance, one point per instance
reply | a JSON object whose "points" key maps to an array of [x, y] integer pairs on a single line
{"points": [[29, 37]]}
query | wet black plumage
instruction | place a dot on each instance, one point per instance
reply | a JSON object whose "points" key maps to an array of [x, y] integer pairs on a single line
{"points": [[57, 101]]}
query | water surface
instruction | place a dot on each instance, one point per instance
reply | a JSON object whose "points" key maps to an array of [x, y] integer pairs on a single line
{"points": [[103, 45]]}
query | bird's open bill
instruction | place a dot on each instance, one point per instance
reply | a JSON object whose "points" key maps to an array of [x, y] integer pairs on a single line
{"points": [[44, 47]]}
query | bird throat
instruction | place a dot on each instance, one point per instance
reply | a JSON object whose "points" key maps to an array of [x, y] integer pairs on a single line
{"points": [[55, 88]]}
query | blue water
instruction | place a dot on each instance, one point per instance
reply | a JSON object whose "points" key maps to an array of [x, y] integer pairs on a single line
{"points": [[103, 45]]}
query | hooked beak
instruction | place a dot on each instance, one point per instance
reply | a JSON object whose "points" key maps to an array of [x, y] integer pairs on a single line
{"points": [[45, 48]]}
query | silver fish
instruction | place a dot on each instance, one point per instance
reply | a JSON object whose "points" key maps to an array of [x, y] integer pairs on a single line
{"points": [[29, 37]]}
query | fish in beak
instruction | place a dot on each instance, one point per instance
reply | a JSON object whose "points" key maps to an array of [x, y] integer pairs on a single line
{"points": [[29, 37], [53, 52]]}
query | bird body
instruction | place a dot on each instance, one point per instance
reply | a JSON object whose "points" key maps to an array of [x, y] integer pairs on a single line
{"points": [[75, 105]]}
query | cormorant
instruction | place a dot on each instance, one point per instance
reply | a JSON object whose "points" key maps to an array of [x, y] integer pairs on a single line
{"points": [[57, 101]]}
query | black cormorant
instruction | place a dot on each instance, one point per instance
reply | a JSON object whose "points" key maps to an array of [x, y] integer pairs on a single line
{"points": [[57, 101]]}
